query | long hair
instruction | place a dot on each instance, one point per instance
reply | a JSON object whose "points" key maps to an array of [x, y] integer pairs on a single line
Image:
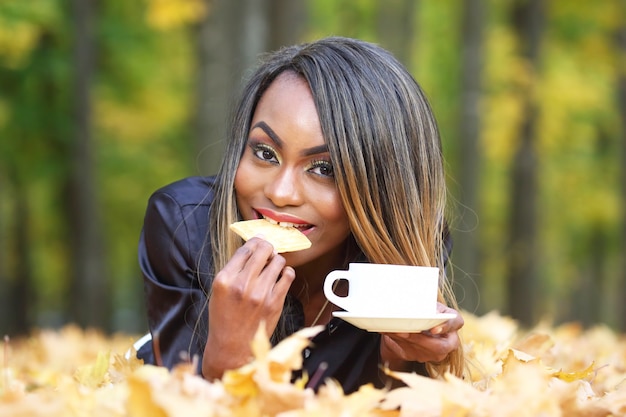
{"points": [[386, 153]]}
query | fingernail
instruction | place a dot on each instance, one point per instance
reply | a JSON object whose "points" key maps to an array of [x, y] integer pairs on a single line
{"points": [[436, 330]]}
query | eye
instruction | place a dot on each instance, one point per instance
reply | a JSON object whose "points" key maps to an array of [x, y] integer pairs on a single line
{"points": [[323, 168], [264, 152]]}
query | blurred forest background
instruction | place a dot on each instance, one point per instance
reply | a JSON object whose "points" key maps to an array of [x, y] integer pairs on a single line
{"points": [[102, 102]]}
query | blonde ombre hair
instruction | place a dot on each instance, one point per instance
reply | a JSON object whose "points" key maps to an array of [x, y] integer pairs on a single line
{"points": [[386, 153]]}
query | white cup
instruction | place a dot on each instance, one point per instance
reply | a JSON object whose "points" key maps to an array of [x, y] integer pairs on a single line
{"points": [[382, 290]]}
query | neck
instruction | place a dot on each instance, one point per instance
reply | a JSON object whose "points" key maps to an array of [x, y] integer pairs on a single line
{"points": [[308, 287], [309, 282]]}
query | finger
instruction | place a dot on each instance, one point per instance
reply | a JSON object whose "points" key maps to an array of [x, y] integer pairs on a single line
{"points": [[251, 257], [400, 335], [442, 308], [286, 278], [271, 272], [263, 251], [437, 341], [426, 340], [437, 330], [452, 325], [422, 347], [434, 349], [440, 329], [419, 348]]}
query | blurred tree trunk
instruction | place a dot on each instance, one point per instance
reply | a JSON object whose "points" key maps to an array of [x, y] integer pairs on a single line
{"points": [[522, 295], [90, 302], [621, 93], [16, 308], [396, 27], [5, 280], [22, 301], [596, 279], [217, 72], [466, 243], [228, 42], [287, 22], [590, 288]]}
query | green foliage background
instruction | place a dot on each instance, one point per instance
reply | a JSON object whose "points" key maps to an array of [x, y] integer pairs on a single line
{"points": [[142, 102]]}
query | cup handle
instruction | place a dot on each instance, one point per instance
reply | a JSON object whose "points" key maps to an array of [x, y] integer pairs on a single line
{"points": [[331, 278]]}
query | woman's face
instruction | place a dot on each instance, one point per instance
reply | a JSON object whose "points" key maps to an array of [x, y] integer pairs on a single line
{"points": [[285, 173]]}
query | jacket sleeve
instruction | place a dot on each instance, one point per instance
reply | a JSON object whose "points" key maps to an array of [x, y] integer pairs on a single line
{"points": [[172, 255]]}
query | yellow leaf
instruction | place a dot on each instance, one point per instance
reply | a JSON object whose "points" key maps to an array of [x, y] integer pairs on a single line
{"points": [[426, 396], [123, 366], [521, 356], [535, 344], [261, 345], [94, 375], [574, 376], [140, 402], [366, 399], [287, 355], [240, 382]]}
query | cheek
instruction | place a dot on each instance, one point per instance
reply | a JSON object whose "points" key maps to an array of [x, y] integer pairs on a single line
{"points": [[244, 181], [238, 175], [333, 210], [244, 185], [338, 213]]}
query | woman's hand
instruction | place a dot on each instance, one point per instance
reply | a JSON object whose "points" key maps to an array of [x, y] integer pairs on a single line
{"points": [[429, 346], [250, 290]]}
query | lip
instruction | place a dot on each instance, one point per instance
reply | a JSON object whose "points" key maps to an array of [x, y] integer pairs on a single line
{"points": [[281, 217]]}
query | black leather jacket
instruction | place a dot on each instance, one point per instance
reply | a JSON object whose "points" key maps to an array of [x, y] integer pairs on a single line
{"points": [[174, 250]]}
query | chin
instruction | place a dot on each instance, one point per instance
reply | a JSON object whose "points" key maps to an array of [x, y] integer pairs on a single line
{"points": [[299, 258]]}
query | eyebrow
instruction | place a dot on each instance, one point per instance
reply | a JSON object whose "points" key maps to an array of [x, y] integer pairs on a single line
{"points": [[279, 142]]}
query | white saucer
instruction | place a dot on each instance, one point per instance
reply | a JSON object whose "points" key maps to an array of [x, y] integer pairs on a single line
{"points": [[394, 324]]}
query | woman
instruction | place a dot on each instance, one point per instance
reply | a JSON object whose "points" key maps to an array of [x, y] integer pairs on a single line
{"points": [[334, 137]]}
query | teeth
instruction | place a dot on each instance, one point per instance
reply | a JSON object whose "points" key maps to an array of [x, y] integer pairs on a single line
{"points": [[283, 224]]}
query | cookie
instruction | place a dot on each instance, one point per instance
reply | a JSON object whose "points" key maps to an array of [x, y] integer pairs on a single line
{"points": [[284, 239]]}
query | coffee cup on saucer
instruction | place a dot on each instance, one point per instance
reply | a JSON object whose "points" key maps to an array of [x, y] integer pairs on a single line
{"points": [[387, 298]]}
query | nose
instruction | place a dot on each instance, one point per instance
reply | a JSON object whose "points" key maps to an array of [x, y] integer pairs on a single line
{"points": [[285, 188]]}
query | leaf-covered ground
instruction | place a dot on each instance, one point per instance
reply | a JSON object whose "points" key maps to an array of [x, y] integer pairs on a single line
{"points": [[546, 371]]}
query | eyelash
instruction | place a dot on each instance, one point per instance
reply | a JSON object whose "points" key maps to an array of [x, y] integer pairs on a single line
{"points": [[323, 163], [258, 148], [261, 147]]}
